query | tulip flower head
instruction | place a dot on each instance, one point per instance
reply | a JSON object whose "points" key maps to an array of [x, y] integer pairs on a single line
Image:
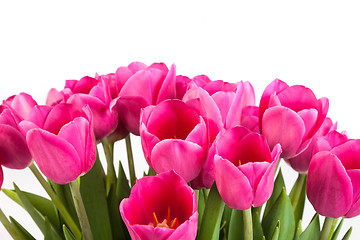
{"points": [[333, 183], [244, 167], [161, 207], [174, 136], [61, 141], [146, 87], [290, 116]]}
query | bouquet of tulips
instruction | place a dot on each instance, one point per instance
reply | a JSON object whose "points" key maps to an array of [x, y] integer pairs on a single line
{"points": [[213, 158]]}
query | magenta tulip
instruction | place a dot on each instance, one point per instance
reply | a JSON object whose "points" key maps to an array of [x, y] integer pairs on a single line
{"points": [[161, 207], [61, 141], [92, 92], [244, 167], [14, 152], [333, 183], [300, 163], [21, 105], [222, 105], [174, 136], [146, 87], [290, 116]]}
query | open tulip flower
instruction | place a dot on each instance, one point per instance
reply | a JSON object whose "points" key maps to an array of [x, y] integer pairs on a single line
{"points": [[333, 183], [174, 136], [61, 141], [244, 168], [290, 116], [161, 207]]}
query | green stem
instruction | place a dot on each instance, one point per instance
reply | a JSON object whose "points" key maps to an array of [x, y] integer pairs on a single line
{"points": [[300, 181], [326, 230], [130, 161], [57, 202], [80, 209], [109, 154], [210, 225], [9, 227], [248, 224]]}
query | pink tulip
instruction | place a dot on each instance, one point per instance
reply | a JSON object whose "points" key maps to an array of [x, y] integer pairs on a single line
{"points": [[222, 105], [21, 105], [301, 162], [61, 141], [333, 183], [14, 152], [290, 116], [244, 167], [96, 94], [173, 136], [146, 87], [161, 207]]}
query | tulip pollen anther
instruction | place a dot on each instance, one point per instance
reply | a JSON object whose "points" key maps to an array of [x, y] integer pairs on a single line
{"points": [[166, 222]]}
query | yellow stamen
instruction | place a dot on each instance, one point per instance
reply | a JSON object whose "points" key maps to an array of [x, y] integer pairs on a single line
{"points": [[239, 162], [174, 224], [155, 220]]}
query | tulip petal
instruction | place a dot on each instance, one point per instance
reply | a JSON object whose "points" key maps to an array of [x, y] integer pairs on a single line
{"points": [[56, 158], [354, 175], [14, 152], [129, 109], [199, 134], [223, 101], [234, 187], [329, 188], [168, 88], [349, 154], [266, 184], [185, 158], [283, 125], [1, 177], [297, 98], [147, 232], [187, 230], [309, 116], [148, 141]]}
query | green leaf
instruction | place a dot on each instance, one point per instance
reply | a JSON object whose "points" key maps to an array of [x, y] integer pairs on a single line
{"points": [[236, 227], [122, 185], [210, 225], [313, 229], [298, 231], [297, 196], [281, 211], [150, 172], [257, 228], [10, 227], [278, 186], [64, 194], [68, 234], [347, 234], [24, 233], [43, 205], [43, 224], [224, 232], [201, 205], [118, 227], [93, 192], [276, 234], [337, 230]]}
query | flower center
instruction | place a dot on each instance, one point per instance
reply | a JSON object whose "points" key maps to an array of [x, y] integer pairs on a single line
{"points": [[167, 222]]}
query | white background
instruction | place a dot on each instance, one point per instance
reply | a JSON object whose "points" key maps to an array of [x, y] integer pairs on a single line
{"points": [[309, 43]]}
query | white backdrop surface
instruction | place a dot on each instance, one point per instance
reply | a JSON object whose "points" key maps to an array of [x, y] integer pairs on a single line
{"points": [[316, 44]]}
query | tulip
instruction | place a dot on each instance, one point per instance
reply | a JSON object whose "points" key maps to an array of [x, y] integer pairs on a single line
{"points": [[14, 152], [173, 136], [61, 141], [333, 182], [146, 87], [96, 94], [161, 207], [244, 167], [290, 116], [222, 105], [20, 104], [301, 162]]}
